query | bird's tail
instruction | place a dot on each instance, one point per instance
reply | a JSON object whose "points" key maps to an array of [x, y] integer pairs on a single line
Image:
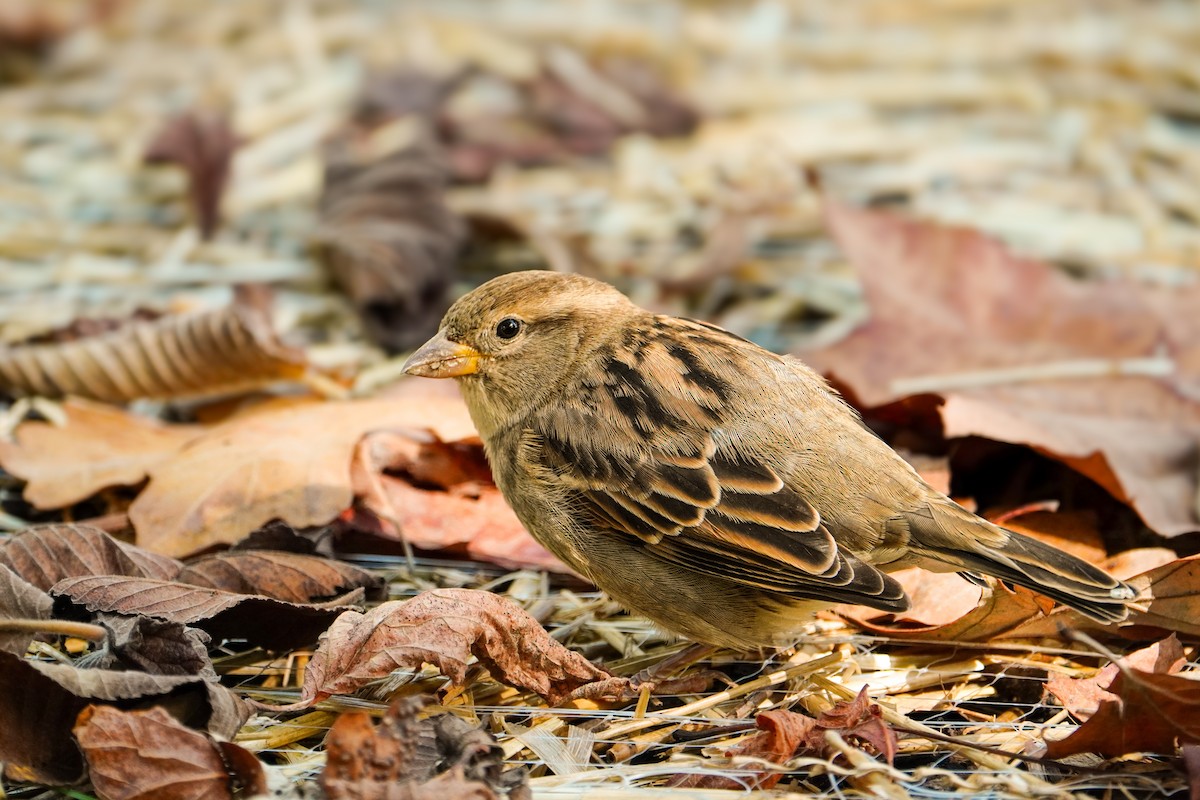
{"points": [[964, 540]]}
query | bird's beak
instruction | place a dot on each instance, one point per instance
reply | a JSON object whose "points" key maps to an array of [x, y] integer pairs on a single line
{"points": [[442, 358]]}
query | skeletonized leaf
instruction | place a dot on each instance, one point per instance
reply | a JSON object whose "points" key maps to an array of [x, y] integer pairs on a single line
{"points": [[445, 627], [47, 554], [273, 624], [175, 356], [149, 755]]}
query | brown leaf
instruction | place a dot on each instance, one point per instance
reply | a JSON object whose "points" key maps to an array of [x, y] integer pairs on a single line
{"points": [[408, 757], [47, 554], [445, 627], [39, 704], [154, 646], [1082, 696], [936, 599], [388, 236], [1143, 711], [1191, 761], [149, 755], [287, 461], [99, 446], [182, 355], [272, 624], [946, 302], [291, 577], [202, 143], [20, 600], [1001, 610]]}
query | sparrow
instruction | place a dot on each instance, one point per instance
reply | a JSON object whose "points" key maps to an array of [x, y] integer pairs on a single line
{"points": [[721, 490]]}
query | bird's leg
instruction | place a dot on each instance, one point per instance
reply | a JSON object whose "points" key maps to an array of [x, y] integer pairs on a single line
{"points": [[678, 662], [655, 680]]}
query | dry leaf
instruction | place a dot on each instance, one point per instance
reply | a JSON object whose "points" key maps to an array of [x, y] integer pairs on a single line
{"points": [[405, 756], [98, 447], [291, 577], [1082, 696], [1142, 711], [47, 554], [153, 646], [21, 600], [1001, 610], [948, 302], [183, 355], [388, 236], [936, 599], [272, 624], [149, 755], [39, 704], [202, 143], [445, 627]]}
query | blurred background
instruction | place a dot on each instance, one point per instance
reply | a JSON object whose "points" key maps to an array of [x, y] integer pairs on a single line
{"points": [[995, 185]]}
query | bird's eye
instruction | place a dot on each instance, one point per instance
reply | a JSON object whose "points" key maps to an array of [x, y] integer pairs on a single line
{"points": [[507, 328]]}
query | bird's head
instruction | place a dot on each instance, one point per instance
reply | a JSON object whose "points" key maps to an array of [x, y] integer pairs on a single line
{"points": [[518, 338]]}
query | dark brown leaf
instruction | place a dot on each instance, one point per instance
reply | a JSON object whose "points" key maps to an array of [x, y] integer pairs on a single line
{"points": [[272, 624], [291, 577], [149, 755], [47, 554], [183, 355], [445, 627], [202, 143], [155, 646], [40, 702]]}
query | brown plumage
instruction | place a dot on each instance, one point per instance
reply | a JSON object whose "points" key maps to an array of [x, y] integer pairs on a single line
{"points": [[719, 489]]}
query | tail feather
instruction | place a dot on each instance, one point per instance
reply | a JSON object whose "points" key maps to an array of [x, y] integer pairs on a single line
{"points": [[1026, 562]]}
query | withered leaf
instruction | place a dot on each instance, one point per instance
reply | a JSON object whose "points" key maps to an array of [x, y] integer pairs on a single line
{"points": [[20, 599], [1000, 610], [291, 577], [1142, 711], [388, 236], [1082, 696], [39, 704], [948, 302], [287, 461], [202, 143], [47, 554], [272, 624], [99, 446], [155, 646], [405, 756], [182, 355], [149, 755], [445, 627]]}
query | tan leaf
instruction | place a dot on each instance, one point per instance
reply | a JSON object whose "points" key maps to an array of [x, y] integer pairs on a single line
{"points": [[291, 577], [948, 303], [99, 446], [47, 554], [445, 627], [269, 623], [202, 143], [1001, 610], [39, 703], [937, 598], [20, 600], [149, 755], [183, 355]]}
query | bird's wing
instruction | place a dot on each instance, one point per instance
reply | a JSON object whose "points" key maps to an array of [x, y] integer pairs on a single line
{"points": [[638, 448]]}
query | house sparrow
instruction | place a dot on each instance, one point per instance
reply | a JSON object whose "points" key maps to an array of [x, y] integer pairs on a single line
{"points": [[720, 490]]}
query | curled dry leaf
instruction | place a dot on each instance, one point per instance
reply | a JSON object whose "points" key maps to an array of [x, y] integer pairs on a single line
{"points": [[154, 646], [182, 355], [1099, 375], [388, 236], [272, 624], [291, 577], [1142, 710], [430, 758], [20, 600], [445, 627], [47, 554], [39, 704], [150, 755], [785, 734], [202, 143]]}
